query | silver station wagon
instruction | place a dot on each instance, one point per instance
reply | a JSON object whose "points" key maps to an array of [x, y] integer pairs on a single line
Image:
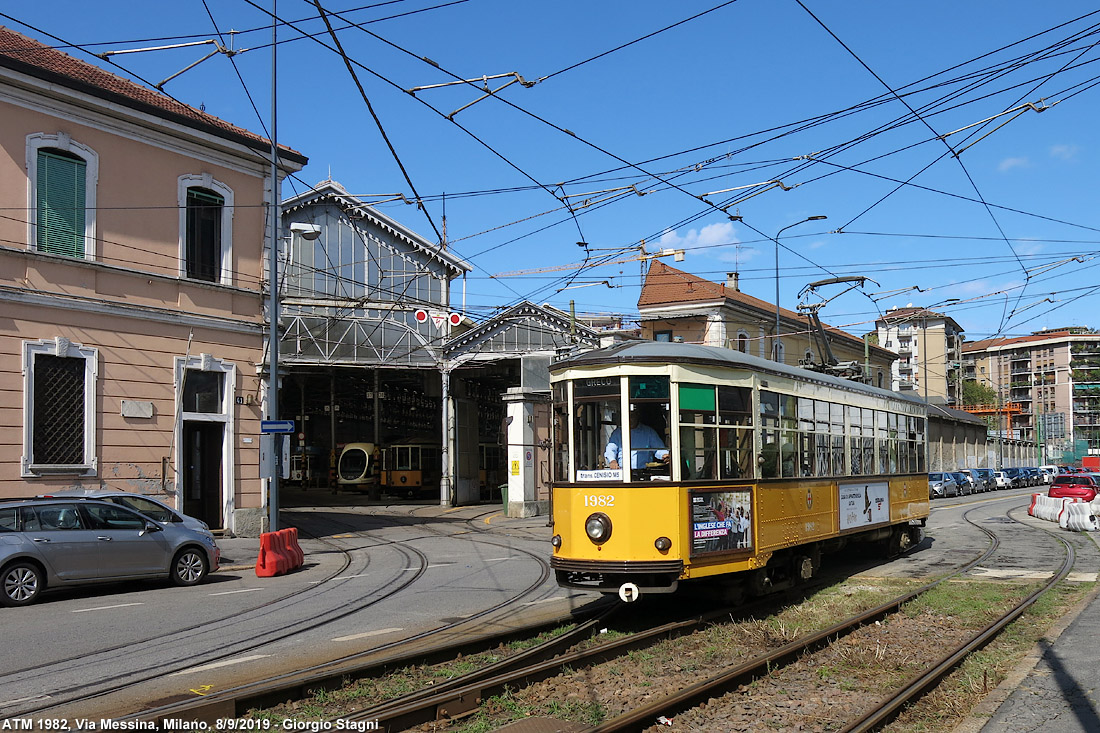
{"points": [[49, 543]]}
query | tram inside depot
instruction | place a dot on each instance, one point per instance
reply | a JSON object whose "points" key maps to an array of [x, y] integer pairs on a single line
{"points": [[716, 433]]}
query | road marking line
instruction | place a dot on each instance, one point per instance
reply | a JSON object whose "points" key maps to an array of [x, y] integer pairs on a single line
{"points": [[216, 665], [105, 608], [6, 703], [365, 634], [491, 517], [1082, 577], [497, 559], [339, 577], [547, 600], [428, 567], [1007, 573], [231, 592]]}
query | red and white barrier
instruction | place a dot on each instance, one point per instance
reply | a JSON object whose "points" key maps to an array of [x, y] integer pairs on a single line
{"points": [[1070, 514]]}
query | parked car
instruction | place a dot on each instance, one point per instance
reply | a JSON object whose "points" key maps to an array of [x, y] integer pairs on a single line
{"points": [[147, 505], [966, 486], [977, 482], [987, 476], [1032, 475], [1001, 479], [48, 543], [1015, 477], [1077, 486], [941, 485]]}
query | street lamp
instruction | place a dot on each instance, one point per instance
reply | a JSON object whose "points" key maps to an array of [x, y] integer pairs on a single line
{"points": [[775, 346]]}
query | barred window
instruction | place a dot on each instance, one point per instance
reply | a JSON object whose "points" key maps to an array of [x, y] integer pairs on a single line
{"points": [[59, 384], [59, 411]]}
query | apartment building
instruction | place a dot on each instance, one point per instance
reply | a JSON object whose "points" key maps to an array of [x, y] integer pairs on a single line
{"points": [[1047, 386], [929, 349]]}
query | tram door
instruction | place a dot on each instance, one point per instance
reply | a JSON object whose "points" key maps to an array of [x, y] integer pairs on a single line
{"points": [[467, 485], [202, 470]]}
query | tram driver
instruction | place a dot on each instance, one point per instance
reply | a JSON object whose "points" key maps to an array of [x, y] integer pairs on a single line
{"points": [[646, 445]]}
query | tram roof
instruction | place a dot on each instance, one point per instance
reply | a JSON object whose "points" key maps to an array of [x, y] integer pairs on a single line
{"points": [[649, 352]]}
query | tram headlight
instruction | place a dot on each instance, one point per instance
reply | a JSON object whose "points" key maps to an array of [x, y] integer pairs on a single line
{"points": [[556, 541], [598, 527], [664, 544]]}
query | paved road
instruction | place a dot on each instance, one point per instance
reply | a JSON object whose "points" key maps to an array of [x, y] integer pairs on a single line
{"points": [[236, 628]]}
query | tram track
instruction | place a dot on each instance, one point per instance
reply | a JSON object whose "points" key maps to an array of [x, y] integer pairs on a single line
{"points": [[90, 665], [332, 672], [463, 695]]}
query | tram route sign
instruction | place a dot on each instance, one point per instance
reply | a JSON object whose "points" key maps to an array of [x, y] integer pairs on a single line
{"points": [[276, 426]]}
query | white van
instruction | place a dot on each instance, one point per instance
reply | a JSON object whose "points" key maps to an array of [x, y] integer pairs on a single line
{"points": [[1049, 473]]}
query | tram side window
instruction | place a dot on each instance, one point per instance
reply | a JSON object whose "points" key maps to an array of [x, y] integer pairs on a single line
{"points": [[650, 425], [698, 432], [788, 438], [919, 445], [882, 434], [868, 441], [735, 443], [597, 404], [560, 428], [769, 435], [836, 429], [892, 423], [823, 442], [806, 427], [855, 439]]}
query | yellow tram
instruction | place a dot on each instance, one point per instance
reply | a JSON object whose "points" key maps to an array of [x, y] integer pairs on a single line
{"points": [[732, 468]]}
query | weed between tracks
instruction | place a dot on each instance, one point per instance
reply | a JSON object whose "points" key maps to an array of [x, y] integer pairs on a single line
{"points": [[368, 692], [957, 694], [819, 693]]}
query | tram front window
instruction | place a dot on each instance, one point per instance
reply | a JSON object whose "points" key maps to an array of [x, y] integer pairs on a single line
{"points": [[649, 429], [597, 407]]}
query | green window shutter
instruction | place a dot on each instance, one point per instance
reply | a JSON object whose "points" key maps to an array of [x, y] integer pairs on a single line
{"points": [[61, 204]]}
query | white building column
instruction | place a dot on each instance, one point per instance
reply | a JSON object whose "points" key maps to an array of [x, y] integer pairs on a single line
{"points": [[527, 451]]}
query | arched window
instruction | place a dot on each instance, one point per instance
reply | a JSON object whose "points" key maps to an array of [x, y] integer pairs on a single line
{"points": [[204, 234], [742, 342], [206, 229], [63, 176]]}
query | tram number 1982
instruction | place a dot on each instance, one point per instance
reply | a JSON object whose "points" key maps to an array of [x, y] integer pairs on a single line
{"points": [[599, 500]]}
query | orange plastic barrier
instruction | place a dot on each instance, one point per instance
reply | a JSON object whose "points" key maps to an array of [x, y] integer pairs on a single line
{"points": [[267, 563], [279, 553], [298, 557]]}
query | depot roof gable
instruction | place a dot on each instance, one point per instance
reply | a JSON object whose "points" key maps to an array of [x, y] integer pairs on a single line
{"points": [[331, 192]]}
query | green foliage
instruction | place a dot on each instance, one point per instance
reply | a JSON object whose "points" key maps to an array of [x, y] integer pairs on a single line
{"points": [[975, 393]]}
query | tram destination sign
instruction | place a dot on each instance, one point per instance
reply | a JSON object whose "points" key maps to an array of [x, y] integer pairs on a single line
{"points": [[276, 426]]}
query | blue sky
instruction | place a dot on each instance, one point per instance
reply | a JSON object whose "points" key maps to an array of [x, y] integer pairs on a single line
{"points": [[674, 124]]}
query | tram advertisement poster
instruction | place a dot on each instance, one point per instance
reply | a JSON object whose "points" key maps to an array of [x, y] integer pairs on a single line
{"points": [[721, 521], [864, 503]]}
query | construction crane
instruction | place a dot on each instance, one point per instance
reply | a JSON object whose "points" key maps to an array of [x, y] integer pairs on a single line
{"points": [[677, 254]]}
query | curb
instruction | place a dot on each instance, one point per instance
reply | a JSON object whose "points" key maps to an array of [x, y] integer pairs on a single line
{"points": [[983, 712]]}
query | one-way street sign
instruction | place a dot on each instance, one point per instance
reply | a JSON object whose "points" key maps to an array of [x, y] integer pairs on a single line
{"points": [[276, 426]]}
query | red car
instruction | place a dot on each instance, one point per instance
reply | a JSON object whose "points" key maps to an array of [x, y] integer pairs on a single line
{"points": [[1075, 486]]}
